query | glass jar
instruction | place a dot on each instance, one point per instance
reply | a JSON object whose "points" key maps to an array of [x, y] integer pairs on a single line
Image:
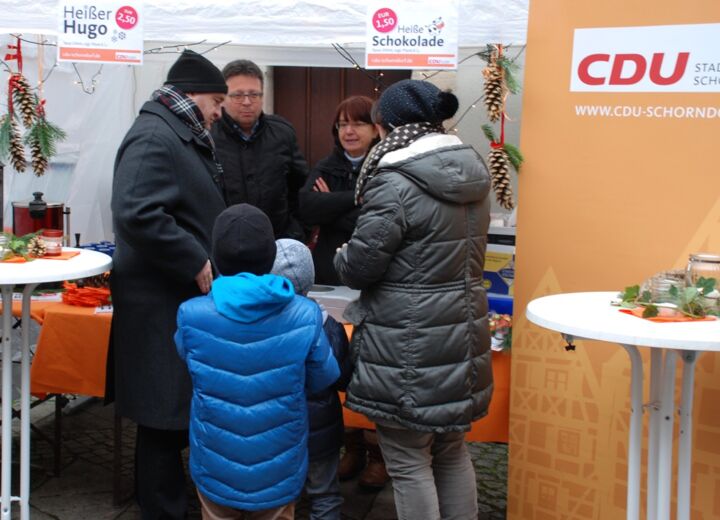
{"points": [[53, 241], [703, 265], [659, 285]]}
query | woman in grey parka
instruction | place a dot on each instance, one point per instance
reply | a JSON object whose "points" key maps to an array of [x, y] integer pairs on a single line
{"points": [[421, 343]]}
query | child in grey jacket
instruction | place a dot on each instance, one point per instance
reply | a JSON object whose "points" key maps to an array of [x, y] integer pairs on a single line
{"points": [[294, 261]]}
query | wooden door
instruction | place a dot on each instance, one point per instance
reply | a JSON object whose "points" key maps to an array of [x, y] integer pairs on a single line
{"points": [[308, 97]]}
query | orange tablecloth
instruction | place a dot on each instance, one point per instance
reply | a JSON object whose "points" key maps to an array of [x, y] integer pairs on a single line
{"points": [[491, 428], [37, 309], [71, 349]]}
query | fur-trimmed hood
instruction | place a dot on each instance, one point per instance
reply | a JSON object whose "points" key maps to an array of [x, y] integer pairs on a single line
{"points": [[441, 165]]}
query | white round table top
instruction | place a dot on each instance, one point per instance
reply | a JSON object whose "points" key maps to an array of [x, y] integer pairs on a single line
{"points": [[589, 315], [87, 263]]}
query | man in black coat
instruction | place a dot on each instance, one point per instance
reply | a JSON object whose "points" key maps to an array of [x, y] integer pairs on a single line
{"points": [[167, 191], [261, 160]]}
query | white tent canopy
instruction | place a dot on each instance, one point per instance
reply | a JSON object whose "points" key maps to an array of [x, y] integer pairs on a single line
{"points": [[271, 33], [276, 23]]}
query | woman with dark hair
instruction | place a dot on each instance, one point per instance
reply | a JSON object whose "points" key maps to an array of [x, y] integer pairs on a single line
{"points": [[420, 342], [327, 199]]}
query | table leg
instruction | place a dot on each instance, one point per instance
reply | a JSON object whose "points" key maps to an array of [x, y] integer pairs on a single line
{"points": [[635, 436], [25, 405], [656, 359], [60, 401], [6, 508], [689, 358], [665, 442], [117, 459]]}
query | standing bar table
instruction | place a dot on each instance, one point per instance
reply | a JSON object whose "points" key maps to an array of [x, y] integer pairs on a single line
{"points": [[590, 316], [30, 274]]}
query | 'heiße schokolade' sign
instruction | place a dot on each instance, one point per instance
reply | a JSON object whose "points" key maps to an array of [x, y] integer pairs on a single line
{"points": [[412, 35]]}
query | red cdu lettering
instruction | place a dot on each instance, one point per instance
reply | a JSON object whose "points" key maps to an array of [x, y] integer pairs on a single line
{"points": [[656, 66], [583, 69], [616, 77], [631, 69]]}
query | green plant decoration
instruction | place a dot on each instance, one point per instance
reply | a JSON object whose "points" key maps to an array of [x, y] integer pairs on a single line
{"points": [[17, 246], [499, 82], [41, 135], [692, 301]]}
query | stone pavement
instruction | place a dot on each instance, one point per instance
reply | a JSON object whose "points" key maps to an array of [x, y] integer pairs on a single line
{"points": [[84, 490]]}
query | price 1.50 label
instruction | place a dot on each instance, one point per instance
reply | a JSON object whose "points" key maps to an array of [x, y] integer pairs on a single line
{"points": [[384, 20]]}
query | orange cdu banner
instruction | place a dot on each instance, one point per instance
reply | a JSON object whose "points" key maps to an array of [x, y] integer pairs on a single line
{"points": [[620, 126]]}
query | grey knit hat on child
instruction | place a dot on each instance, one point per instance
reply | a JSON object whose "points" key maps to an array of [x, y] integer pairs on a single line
{"points": [[294, 261]]}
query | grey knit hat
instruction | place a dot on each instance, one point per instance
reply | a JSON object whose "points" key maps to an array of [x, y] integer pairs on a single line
{"points": [[294, 261]]}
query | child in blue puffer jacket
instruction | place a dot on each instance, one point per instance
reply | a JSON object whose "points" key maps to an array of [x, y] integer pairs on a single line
{"points": [[254, 350], [294, 261]]}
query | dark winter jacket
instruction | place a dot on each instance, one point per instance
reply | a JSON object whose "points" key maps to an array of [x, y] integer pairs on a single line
{"points": [[335, 212], [324, 408], [421, 340], [164, 204], [266, 171], [253, 349]]}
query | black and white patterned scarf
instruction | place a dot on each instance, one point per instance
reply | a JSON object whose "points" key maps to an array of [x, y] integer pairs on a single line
{"points": [[189, 113], [400, 137]]}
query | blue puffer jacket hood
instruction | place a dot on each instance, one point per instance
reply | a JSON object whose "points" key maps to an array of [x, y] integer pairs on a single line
{"points": [[254, 350], [247, 298]]}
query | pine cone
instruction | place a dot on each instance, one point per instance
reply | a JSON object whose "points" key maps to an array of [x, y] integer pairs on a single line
{"points": [[39, 161], [25, 100], [36, 247], [494, 91], [17, 149], [500, 172], [100, 281]]}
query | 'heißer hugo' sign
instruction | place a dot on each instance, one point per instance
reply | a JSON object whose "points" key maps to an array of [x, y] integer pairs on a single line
{"points": [[101, 31], [412, 35]]}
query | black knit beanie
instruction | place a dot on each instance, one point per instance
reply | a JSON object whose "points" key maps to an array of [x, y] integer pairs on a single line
{"points": [[243, 241], [193, 72], [415, 101]]}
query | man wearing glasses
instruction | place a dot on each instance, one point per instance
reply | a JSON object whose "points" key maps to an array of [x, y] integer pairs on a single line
{"points": [[259, 153]]}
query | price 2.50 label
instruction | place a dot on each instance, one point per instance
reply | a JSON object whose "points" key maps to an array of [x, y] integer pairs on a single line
{"points": [[126, 17]]}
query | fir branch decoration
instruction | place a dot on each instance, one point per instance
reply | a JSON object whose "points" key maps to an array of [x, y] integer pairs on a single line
{"points": [[45, 134], [499, 83], [514, 156], [508, 65], [489, 133], [5, 133], [41, 135], [509, 69]]}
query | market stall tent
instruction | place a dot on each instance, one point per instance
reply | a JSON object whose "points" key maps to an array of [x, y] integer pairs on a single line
{"points": [[96, 104], [277, 23]]}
